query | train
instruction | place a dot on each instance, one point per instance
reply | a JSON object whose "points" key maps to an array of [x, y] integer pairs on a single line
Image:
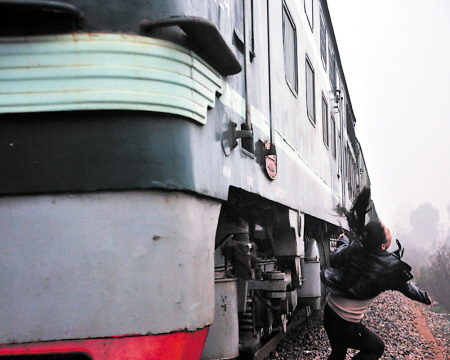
{"points": [[170, 172]]}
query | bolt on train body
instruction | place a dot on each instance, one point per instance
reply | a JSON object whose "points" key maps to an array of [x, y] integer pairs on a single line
{"points": [[169, 174]]}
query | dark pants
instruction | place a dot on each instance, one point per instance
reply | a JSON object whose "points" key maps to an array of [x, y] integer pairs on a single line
{"points": [[344, 335]]}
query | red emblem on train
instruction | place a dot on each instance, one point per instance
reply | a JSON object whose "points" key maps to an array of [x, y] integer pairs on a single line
{"points": [[271, 161]]}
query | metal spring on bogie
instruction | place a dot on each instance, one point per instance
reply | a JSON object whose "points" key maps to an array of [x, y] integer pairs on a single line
{"points": [[246, 323]]}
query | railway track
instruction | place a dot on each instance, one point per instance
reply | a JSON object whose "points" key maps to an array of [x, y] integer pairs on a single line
{"points": [[271, 345]]}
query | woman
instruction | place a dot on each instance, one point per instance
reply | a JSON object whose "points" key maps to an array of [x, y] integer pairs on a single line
{"points": [[361, 269]]}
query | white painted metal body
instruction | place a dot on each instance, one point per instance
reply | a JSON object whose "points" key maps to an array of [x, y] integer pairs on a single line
{"points": [[222, 341], [105, 264]]}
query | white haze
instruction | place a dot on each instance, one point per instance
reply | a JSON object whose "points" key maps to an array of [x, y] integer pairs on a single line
{"points": [[396, 60]]}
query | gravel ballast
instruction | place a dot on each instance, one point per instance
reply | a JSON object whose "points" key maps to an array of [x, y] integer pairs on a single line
{"points": [[410, 331]]}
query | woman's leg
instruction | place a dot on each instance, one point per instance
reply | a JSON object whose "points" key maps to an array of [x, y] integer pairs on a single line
{"points": [[336, 329], [372, 346], [343, 334]]}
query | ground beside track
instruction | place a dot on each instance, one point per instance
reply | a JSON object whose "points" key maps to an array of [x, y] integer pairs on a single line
{"points": [[410, 331]]}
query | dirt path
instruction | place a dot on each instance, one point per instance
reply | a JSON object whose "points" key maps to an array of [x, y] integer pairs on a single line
{"points": [[422, 327]]}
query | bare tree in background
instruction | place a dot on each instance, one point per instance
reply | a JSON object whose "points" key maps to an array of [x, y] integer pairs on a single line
{"points": [[419, 240], [425, 222], [430, 259], [436, 278], [448, 211]]}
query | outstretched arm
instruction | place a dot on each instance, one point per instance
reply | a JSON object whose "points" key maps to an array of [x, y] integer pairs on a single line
{"points": [[412, 291]]}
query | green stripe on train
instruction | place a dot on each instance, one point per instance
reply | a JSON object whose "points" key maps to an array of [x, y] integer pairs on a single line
{"points": [[104, 72]]}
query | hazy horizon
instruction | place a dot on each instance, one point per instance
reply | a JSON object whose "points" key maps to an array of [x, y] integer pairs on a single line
{"points": [[395, 56]]}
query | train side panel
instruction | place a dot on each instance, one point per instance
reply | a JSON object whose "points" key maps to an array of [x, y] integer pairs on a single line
{"points": [[105, 264], [168, 167]]}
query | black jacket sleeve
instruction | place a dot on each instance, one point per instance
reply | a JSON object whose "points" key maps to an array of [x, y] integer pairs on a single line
{"points": [[343, 252], [412, 291]]}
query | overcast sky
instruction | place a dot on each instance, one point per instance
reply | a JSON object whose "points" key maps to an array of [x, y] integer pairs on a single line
{"points": [[396, 60]]}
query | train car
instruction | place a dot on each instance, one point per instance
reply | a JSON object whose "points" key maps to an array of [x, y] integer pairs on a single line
{"points": [[169, 174]]}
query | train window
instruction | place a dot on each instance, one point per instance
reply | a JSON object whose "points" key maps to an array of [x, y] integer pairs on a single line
{"points": [[323, 41], [353, 177], [325, 120], [252, 31], [344, 161], [309, 12], [310, 91], [290, 50], [332, 70], [333, 135], [339, 151], [350, 172]]}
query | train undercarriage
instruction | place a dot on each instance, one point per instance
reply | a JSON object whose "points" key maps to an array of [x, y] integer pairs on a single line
{"points": [[268, 259]]}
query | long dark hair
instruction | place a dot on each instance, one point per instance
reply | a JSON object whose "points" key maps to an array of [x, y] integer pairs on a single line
{"points": [[371, 235]]}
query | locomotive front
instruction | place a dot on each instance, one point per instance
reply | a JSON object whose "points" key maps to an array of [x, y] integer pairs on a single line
{"points": [[107, 240], [145, 211]]}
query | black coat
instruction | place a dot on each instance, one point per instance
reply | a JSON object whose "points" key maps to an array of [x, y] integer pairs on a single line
{"points": [[356, 273]]}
